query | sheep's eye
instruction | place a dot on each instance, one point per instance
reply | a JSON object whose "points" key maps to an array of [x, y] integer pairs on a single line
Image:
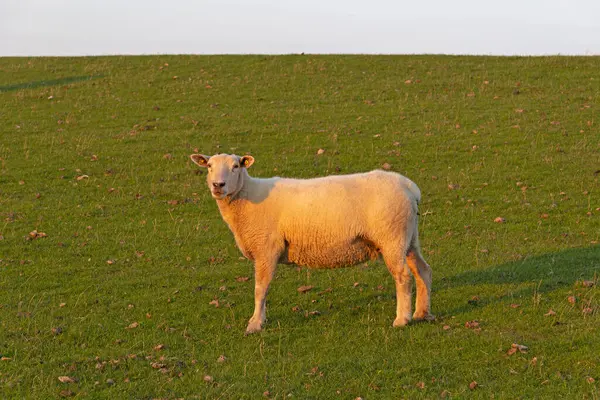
{"points": [[209, 165], [236, 166]]}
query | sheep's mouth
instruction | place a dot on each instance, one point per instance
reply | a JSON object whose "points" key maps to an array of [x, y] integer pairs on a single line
{"points": [[217, 194]]}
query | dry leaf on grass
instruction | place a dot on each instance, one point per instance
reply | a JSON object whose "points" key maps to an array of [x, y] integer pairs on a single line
{"points": [[472, 324], [36, 235], [66, 379], [517, 347], [304, 289], [133, 325]]}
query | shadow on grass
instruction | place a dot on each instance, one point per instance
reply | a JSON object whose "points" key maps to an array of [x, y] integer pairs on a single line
{"points": [[553, 270], [51, 82], [547, 272]]}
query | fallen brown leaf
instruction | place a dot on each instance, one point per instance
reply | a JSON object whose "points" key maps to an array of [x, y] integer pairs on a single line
{"points": [[499, 220], [133, 325], [517, 347], [36, 235], [473, 385], [322, 292], [572, 299], [66, 379], [304, 289], [242, 278], [550, 313], [472, 324]]}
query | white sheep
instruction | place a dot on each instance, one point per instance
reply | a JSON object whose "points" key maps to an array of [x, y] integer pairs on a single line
{"points": [[327, 222]]}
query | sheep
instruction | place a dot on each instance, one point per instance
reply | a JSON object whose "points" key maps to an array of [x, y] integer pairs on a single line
{"points": [[327, 222]]}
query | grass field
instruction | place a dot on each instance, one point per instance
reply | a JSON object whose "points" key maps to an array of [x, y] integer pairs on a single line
{"points": [[138, 291]]}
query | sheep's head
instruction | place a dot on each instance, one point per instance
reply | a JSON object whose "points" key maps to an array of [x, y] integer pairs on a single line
{"points": [[224, 171]]}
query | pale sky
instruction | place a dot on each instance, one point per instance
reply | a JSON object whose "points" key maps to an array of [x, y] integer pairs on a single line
{"points": [[98, 27]]}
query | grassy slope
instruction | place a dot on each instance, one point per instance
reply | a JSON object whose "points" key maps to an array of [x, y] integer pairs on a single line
{"points": [[129, 123]]}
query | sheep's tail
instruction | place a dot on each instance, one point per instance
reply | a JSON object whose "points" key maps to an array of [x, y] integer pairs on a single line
{"points": [[416, 198], [415, 191]]}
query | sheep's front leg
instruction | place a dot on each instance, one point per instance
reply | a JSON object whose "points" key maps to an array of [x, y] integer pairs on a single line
{"points": [[263, 274]]}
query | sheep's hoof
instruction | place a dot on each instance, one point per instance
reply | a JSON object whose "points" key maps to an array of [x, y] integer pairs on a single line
{"points": [[399, 322], [424, 317], [253, 327]]}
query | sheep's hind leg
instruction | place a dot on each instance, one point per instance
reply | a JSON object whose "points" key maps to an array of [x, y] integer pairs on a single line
{"points": [[422, 273], [263, 274], [401, 275]]}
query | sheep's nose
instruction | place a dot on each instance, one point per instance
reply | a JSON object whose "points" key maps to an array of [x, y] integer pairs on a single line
{"points": [[218, 184]]}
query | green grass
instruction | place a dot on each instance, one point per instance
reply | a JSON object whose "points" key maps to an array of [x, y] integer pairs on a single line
{"points": [[483, 137]]}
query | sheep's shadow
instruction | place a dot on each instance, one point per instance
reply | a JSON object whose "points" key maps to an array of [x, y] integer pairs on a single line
{"points": [[50, 82], [551, 270], [547, 272]]}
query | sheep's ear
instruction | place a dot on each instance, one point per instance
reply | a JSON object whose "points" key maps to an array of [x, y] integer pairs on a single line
{"points": [[246, 161], [200, 159]]}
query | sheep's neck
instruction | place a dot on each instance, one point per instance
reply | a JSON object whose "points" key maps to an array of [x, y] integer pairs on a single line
{"points": [[232, 206], [232, 210]]}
